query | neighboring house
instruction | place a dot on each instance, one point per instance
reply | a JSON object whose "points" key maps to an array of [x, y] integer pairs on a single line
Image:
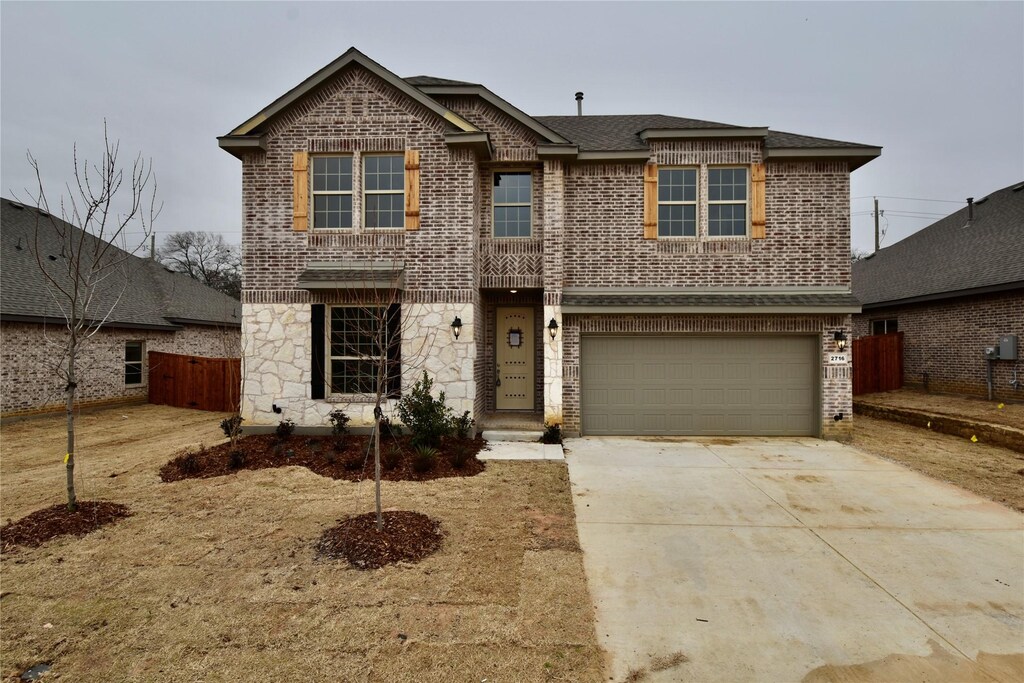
{"points": [[637, 274], [953, 289], [155, 310]]}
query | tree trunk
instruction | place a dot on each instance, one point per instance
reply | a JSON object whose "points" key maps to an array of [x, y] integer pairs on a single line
{"points": [[70, 410], [376, 465]]}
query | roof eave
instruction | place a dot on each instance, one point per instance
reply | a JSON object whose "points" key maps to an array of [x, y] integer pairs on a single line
{"points": [[638, 155], [62, 322], [505, 106], [478, 143], [855, 156], [721, 310], [952, 294], [238, 145], [351, 56]]}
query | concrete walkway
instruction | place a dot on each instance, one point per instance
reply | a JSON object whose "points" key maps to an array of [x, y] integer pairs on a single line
{"points": [[793, 560]]}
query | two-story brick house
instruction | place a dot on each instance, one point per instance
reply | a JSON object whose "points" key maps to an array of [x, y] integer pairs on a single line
{"points": [[632, 274]]}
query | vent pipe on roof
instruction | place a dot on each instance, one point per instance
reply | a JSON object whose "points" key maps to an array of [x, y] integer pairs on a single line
{"points": [[970, 210], [579, 104]]}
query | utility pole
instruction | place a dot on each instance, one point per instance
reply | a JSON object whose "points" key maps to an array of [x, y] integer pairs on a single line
{"points": [[876, 224]]}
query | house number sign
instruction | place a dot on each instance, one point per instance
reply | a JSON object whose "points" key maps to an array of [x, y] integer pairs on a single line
{"points": [[838, 359], [515, 337]]}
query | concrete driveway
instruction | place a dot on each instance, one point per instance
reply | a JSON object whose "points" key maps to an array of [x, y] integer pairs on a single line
{"points": [[793, 560]]}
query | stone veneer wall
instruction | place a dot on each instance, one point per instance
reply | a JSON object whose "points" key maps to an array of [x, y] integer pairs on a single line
{"points": [[836, 386], [27, 378], [277, 366], [945, 339]]}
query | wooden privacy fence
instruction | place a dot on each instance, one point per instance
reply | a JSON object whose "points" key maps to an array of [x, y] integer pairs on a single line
{"points": [[877, 363], [194, 381]]}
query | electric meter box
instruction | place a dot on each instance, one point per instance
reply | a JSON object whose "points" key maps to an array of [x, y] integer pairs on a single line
{"points": [[1008, 347]]}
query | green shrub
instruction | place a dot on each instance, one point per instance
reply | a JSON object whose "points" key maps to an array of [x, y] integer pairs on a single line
{"points": [[463, 426], [552, 433], [423, 458], [460, 454], [232, 427], [428, 418], [236, 460], [339, 422], [391, 458], [389, 430], [189, 463], [284, 429]]}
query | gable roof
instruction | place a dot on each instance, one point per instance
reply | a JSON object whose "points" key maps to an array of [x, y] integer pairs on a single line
{"points": [[950, 257], [156, 298], [570, 137]]}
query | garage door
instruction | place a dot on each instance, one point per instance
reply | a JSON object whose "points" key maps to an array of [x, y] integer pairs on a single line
{"points": [[699, 386]]}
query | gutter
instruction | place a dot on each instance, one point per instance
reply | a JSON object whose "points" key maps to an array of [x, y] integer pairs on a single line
{"points": [[954, 294]]}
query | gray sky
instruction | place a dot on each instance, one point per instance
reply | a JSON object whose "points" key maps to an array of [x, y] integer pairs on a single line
{"points": [[939, 86]]}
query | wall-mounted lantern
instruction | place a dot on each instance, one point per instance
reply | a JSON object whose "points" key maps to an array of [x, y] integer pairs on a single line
{"points": [[457, 326], [553, 328], [840, 339]]}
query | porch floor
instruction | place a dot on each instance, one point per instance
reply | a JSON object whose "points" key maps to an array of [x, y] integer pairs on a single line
{"points": [[517, 420]]}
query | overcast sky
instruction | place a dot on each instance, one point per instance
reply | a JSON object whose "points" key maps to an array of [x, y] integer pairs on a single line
{"points": [[939, 86]]}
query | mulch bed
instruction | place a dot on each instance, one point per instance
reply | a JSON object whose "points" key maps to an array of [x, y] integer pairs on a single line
{"points": [[322, 455], [406, 537], [55, 521]]}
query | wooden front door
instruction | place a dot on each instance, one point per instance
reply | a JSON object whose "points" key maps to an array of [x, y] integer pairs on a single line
{"points": [[515, 361]]}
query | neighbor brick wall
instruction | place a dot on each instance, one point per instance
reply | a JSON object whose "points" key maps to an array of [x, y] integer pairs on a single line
{"points": [[27, 377], [945, 340]]}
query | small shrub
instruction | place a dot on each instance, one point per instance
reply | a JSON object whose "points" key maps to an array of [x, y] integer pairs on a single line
{"points": [[339, 422], [331, 457], [463, 426], [552, 433], [460, 454], [284, 429], [391, 458], [236, 460], [388, 429], [423, 458], [428, 418], [189, 463], [232, 427], [338, 444]]}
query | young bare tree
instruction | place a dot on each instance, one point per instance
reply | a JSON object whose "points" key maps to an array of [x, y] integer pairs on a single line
{"points": [[89, 279], [206, 257]]}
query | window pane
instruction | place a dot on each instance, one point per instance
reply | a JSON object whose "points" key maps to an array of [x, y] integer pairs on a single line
{"points": [[133, 351], [332, 211], [384, 173], [512, 221], [332, 174], [727, 220], [677, 185], [133, 373]]}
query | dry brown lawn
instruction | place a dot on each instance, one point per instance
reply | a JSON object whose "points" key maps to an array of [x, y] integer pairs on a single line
{"points": [[968, 407], [989, 471], [215, 579]]}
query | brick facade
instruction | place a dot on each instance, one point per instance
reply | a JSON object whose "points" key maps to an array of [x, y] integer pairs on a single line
{"points": [[587, 232], [28, 382], [943, 342]]}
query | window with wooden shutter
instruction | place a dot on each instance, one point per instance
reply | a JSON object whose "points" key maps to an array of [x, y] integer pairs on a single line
{"points": [[412, 189], [651, 202], [300, 191], [757, 212]]}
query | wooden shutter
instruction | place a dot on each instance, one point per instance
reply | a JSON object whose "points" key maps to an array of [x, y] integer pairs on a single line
{"points": [[412, 189], [300, 191], [757, 221], [651, 202], [318, 386]]}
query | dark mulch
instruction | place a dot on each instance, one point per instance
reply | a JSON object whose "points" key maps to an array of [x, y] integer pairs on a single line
{"points": [[322, 455], [55, 521], [406, 537]]}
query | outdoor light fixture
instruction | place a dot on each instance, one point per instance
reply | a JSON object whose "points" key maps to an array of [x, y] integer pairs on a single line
{"points": [[553, 328], [840, 339], [457, 326]]}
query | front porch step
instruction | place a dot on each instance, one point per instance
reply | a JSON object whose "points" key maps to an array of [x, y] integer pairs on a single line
{"points": [[512, 435]]}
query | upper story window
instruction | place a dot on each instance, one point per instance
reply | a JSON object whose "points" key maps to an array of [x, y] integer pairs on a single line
{"points": [[727, 202], [513, 204], [384, 191], [332, 192], [133, 362], [677, 202]]}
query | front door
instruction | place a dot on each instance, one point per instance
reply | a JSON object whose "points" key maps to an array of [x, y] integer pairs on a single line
{"points": [[514, 334]]}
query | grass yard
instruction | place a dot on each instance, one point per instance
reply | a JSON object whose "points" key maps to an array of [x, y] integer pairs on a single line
{"points": [[215, 579]]}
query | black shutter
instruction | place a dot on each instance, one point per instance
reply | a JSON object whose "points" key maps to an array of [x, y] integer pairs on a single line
{"points": [[394, 351], [317, 332]]}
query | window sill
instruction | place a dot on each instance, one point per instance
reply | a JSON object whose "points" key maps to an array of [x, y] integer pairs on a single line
{"points": [[356, 398]]}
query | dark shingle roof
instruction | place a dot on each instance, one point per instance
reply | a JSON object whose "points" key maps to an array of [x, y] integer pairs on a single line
{"points": [[621, 132], [434, 80], [154, 297], [950, 256]]}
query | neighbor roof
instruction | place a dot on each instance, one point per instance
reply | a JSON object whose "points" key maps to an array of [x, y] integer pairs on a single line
{"points": [[154, 298], [950, 257]]}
